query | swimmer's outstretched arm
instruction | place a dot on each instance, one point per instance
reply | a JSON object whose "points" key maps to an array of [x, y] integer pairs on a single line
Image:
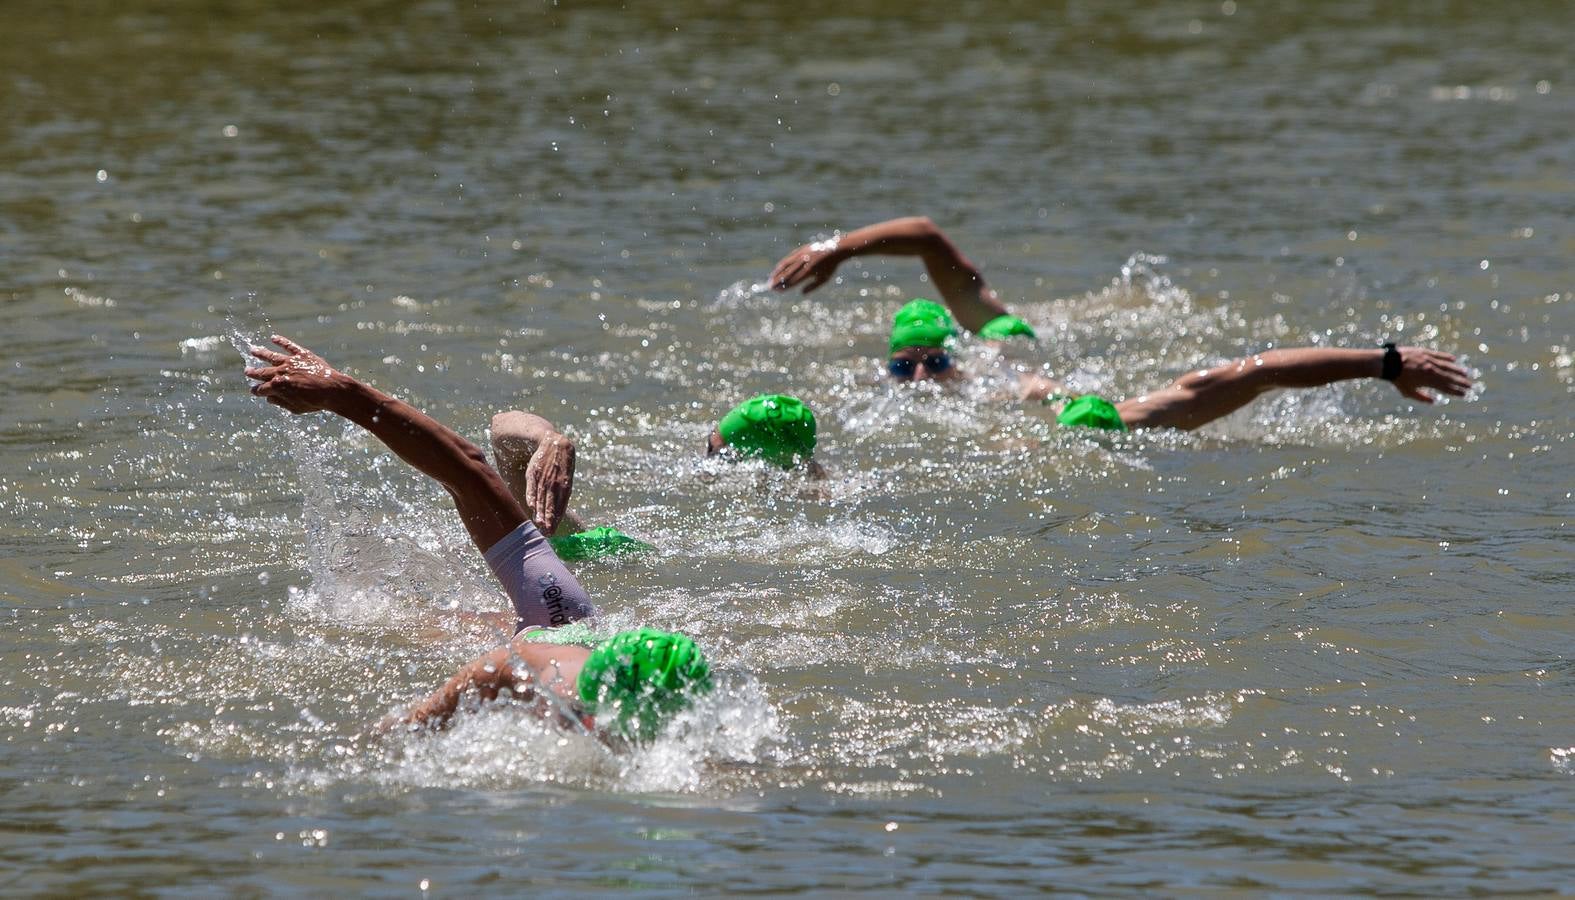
{"points": [[1200, 397], [485, 677], [521, 668], [959, 281], [301, 381], [537, 463]]}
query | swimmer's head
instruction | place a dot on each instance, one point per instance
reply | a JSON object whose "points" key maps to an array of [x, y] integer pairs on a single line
{"points": [[920, 333], [775, 427], [636, 680], [921, 323]]}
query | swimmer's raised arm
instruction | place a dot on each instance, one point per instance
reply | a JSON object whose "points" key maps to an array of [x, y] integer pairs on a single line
{"points": [[300, 381], [537, 463], [959, 281]]}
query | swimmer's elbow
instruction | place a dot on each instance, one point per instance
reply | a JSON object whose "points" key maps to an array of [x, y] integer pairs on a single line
{"points": [[473, 456]]}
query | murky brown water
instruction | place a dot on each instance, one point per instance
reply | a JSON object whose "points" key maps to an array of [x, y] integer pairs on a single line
{"points": [[1319, 647]]}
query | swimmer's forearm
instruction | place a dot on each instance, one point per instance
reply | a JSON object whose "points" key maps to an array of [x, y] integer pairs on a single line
{"points": [[487, 509], [524, 428], [1305, 367], [416, 437], [910, 236], [958, 280], [486, 677]]}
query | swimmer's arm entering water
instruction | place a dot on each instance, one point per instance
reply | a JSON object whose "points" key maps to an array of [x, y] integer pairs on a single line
{"points": [[301, 382], [959, 281], [522, 669], [543, 592], [1033, 386]]}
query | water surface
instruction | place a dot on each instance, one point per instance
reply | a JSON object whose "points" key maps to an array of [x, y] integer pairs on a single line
{"points": [[1318, 646]]}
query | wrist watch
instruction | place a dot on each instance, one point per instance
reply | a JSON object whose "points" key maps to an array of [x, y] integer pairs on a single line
{"points": [[1391, 362]]}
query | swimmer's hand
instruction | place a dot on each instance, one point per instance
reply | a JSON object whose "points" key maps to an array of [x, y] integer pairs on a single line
{"points": [[1421, 369], [297, 379], [549, 480], [813, 263], [1032, 386]]}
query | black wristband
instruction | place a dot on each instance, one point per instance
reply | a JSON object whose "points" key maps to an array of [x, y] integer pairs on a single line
{"points": [[1391, 363]]}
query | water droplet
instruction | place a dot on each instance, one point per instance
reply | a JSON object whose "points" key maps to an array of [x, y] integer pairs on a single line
{"points": [[102, 176], [231, 131]]}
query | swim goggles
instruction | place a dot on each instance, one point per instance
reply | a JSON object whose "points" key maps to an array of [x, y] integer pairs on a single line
{"points": [[903, 368]]}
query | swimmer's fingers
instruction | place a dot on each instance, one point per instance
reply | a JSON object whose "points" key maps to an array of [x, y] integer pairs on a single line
{"points": [[805, 272], [1416, 394], [549, 481], [267, 374], [277, 390], [802, 265], [1459, 379], [1433, 370], [789, 270], [294, 348], [268, 387], [271, 356]]}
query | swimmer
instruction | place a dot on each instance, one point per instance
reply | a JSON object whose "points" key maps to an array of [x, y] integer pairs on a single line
{"points": [[922, 331], [536, 461], [626, 687], [778, 428]]}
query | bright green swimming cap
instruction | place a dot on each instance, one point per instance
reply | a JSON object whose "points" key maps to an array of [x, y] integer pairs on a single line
{"points": [[1001, 328], [775, 427], [1091, 411], [596, 543], [644, 676], [921, 323]]}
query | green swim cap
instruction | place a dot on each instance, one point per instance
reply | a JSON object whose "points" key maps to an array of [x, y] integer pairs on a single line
{"points": [[921, 323], [644, 676], [576, 634], [775, 427], [596, 543], [1090, 411], [1002, 327]]}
